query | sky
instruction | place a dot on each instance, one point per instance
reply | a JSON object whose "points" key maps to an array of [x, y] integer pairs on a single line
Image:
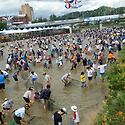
{"points": [[45, 8]]}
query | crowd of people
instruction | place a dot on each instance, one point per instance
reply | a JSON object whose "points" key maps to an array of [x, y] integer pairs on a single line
{"points": [[94, 56]]}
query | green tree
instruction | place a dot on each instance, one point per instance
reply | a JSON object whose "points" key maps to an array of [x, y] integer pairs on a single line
{"points": [[44, 20], [52, 17], [3, 25], [40, 19]]}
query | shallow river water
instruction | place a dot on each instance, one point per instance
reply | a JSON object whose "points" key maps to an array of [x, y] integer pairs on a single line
{"points": [[87, 99]]}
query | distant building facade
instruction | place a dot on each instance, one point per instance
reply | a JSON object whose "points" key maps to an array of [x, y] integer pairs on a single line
{"points": [[20, 19], [27, 10]]}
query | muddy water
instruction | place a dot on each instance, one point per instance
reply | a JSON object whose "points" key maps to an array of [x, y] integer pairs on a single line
{"points": [[86, 99]]}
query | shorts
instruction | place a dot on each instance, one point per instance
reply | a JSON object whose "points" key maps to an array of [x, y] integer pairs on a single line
{"points": [[6, 76], [74, 66], [6, 108], [94, 74], [7, 69], [26, 100], [78, 60], [80, 49], [64, 81], [34, 79], [15, 78], [58, 64], [43, 101], [101, 75], [17, 119], [2, 86], [89, 78], [83, 83], [25, 68]]}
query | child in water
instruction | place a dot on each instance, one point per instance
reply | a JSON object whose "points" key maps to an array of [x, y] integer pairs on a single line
{"points": [[35, 96], [83, 79], [75, 119]]}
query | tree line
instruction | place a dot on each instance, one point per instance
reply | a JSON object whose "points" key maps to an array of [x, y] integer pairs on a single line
{"points": [[101, 11]]}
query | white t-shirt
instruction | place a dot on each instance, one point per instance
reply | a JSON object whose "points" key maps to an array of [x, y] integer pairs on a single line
{"points": [[65, 77], [99, 41], [47, 77], [7, 66], [80, 46], [34, 75], [89, 72], [102, 68], [94, 67], [117, 42], [60, 62], [60, 58], [31, 49], [27, 94], [77, 118], [36, 60], [57, 61], [97, 46], [44, 51], [46, 46], [4, 72]]}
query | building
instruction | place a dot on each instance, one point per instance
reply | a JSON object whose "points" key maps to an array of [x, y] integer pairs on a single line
{"points": [[20, 19], [27, 10]]}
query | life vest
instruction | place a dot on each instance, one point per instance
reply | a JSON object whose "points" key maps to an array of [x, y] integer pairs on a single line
{"points": [[74, 58], [86, 51], [110, 55], [30, 57]]}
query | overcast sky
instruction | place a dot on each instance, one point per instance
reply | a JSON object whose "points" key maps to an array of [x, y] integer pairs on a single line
{"points": [[45, 8]]}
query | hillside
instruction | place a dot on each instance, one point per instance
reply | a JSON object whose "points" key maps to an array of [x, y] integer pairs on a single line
{"points": [[101, 11]]}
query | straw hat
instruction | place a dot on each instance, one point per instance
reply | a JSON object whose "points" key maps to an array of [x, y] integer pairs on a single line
{"points": [[27, 106], [5, 99]]}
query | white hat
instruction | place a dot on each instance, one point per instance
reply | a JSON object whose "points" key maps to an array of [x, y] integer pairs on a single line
{"points": [[70, 74], [64, 110], [74, 108], [31, 88]]}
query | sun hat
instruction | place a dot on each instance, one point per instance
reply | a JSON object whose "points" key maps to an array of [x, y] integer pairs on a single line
{"points": [[74, 108], [27, 106], [64, 110], [44, 73], [6, 99]]}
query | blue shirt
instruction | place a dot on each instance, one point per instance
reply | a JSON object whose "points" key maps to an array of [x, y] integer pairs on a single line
{"points": [[1, 79], [16, 56], [90, 63], [51, 51], [16, 73], [29, 64]]}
